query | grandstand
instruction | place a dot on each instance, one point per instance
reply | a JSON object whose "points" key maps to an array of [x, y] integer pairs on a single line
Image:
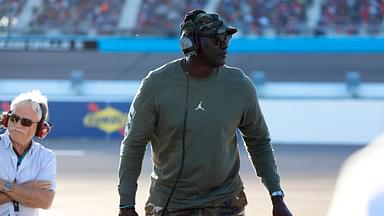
{"points": [[64, 26], [162, 17]]}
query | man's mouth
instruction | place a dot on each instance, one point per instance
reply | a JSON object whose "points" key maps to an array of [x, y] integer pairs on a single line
{"points": [[223, 54], [17, 130]]}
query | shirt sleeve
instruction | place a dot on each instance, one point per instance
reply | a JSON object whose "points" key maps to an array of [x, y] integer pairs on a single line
{"points": [[48, 170], [138, 132], [256, 136]]}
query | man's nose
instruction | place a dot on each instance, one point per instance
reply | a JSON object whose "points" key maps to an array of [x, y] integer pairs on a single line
{"points": [[223, 45]]}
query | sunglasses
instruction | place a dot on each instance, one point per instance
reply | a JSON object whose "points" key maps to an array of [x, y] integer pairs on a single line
{"points": [[220, 39], [23, 121]]}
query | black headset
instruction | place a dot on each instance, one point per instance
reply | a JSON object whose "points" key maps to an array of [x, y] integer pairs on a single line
{"points": [[189, 40]]}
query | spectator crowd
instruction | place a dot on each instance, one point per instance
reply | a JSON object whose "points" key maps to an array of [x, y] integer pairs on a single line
{"points": [[80, 17], [162, 17], [351, 17], [266, 17], [9, 11]]}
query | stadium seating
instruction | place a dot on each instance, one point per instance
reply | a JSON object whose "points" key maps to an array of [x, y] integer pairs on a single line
{"points": [[11, 8], [257, 17], [86, 17], [9, 11], [353, 17], [162, 17]]}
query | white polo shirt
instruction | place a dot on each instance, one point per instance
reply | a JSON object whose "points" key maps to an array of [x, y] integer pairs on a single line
{"points": [[38, 164]]}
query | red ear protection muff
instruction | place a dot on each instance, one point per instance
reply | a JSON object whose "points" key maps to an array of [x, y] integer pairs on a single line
{"points": [[4, 119], [45, 128], [42, 129]]}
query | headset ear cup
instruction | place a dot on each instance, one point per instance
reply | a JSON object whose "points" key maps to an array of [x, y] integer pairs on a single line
{"points": [[187, 45], [43, 129], [4, 119]]}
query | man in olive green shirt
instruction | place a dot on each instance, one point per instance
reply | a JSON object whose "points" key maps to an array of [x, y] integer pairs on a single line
{"points": [[189, 110]]}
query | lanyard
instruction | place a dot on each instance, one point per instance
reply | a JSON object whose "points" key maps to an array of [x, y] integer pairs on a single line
{"points": [[20, 158], [16, 207]]}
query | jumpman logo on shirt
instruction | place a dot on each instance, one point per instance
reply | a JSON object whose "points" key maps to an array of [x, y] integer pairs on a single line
{"points": [[200, 107]]}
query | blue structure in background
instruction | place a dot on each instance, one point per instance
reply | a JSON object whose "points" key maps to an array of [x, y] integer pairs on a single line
{"points": [[171, 45], [250, 45]]}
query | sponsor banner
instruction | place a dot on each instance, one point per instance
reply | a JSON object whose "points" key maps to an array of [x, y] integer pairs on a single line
{"points": [[85, 119]]}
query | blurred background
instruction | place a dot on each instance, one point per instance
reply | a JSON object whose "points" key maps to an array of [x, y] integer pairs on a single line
{"points": [[318, 66]]}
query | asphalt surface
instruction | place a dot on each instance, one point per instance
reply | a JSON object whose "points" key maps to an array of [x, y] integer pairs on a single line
{"points": [[87, 178], [317, 67]]}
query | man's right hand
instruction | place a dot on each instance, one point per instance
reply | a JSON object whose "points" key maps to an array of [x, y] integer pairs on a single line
{"points": [[128, 212]]}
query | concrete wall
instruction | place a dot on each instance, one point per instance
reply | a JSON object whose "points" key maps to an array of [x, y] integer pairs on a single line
{"points": [[296, 113], [317, 121]]}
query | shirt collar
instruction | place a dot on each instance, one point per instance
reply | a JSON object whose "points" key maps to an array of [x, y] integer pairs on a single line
{"points": [[6, 140]]}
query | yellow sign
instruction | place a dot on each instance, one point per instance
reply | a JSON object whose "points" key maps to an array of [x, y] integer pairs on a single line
{"points": [[108, 119]]}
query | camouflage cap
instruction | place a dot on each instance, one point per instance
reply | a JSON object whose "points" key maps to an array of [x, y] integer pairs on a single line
{"points": [[205, 24]]}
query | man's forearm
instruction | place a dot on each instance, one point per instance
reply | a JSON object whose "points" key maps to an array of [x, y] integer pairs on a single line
{"points": [[34, 194], [32, 197], [4, 198]]}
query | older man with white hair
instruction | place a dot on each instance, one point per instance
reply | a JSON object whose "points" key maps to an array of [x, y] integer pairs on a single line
{"points": [[27, 169]]}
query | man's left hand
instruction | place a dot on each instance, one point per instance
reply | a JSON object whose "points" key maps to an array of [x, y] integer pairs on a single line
{"points": [[279, 207]]}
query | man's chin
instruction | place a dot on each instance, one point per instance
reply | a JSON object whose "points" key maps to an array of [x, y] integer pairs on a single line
{"points": [[17, 136], [219, 63]]}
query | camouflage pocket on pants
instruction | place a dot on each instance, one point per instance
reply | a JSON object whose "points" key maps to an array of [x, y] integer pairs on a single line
{"points": [[231, 207], [239, 200]]}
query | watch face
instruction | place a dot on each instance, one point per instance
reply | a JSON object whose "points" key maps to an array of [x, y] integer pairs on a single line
{"points": [[277, 193], [7, 186]]}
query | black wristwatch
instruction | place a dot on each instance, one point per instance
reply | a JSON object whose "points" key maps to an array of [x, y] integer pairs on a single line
{"points": [[7, 187]]}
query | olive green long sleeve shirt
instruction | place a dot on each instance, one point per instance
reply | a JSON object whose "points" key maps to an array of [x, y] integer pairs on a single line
{"points": [[216, 107]]}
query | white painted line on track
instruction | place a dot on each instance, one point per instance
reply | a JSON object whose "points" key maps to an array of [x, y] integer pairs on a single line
{"points": [[75, 153]]}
